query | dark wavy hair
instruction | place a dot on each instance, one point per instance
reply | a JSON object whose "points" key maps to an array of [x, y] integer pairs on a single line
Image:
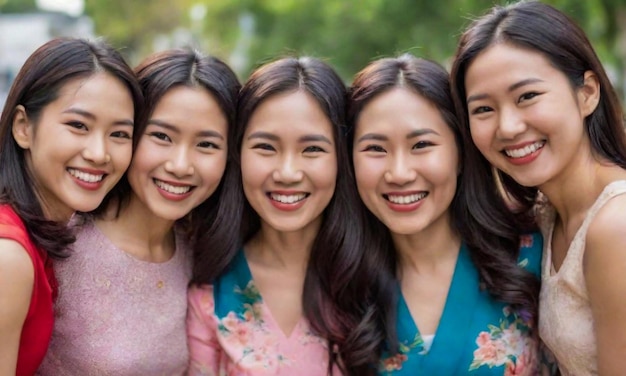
{"points": [[478, 213], [540, 27], [43, 75], [158, 74], [333, 309]]}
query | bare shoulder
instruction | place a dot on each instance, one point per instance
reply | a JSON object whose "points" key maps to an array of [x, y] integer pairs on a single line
{"points": [[15, 263], [16, 286], [608, 229], [604, 270], [16, 282]]}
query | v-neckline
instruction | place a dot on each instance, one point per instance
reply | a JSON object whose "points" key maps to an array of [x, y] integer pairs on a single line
{"points": [[452, 326], [552, 272], [271, 321]]}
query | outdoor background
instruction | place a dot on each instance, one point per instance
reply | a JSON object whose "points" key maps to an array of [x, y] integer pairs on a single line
{"points": [[247, 33]]}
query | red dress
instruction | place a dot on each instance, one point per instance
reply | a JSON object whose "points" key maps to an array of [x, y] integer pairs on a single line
{"points": [[37, 327]]}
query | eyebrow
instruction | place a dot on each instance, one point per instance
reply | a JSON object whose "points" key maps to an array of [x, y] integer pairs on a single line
{"points": [[175, 129], [382, 137], [303, 139], [421, 132], [265, 135], [89, 115], [314, 138], [511, 88]]}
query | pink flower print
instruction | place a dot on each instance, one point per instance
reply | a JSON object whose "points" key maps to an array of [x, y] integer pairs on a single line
{"points": [[526, 241], [490, 352], [243, 334], [394, 363], [231, 322], [521, 367]]}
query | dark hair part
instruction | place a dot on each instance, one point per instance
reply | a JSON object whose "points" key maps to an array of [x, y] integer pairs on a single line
{"points": [[333, 309], [542, 28], [38, 83], [477, 212], [158, 74]]}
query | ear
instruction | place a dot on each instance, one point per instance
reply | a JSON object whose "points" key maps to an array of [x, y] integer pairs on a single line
{"points": [[589, 93], [22, 129]]}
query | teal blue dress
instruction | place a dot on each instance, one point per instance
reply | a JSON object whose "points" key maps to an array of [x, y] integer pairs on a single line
{"points": [[476, 334]]}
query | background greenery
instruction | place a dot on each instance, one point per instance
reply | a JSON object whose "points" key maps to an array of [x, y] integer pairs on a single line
{"points": [[348, 33]]}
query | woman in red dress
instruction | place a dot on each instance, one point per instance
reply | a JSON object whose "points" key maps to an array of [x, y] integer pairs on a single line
{"points": [[66, 138]]}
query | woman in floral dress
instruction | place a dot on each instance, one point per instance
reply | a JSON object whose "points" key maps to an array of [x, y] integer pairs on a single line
{"points": [[278, 306], [462, 268]]}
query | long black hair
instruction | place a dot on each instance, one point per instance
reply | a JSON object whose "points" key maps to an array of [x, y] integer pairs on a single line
{"points": [[38, 83], [540, 27], [331, 303], [157, 75], [477, 212]]}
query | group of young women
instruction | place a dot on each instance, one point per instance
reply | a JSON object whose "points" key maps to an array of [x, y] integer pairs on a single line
{"points": [[171, 221]]}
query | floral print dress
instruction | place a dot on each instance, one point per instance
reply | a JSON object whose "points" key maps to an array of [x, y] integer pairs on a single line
{"points": [[476, 334], [231, 332]]}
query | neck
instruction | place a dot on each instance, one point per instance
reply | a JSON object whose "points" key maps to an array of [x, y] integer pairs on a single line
{"points": [[428, 250], [282, 249], [576, 189], [139, 232]]}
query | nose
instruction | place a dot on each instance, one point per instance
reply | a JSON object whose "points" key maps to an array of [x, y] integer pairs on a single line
{"points": [[510, 125], [96, 150], [180, 164], [288, 171], [400, 172]]}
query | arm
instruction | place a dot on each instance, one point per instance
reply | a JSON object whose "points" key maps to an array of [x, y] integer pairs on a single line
{"points": [[16, 288], [605, 276], [204, 349]]}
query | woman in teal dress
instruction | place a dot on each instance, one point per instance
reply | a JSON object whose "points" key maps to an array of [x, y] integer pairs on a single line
{"points": [[459, 266]]}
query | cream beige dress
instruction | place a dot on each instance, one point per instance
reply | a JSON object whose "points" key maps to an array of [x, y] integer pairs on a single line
{"points": [[565, 321]]}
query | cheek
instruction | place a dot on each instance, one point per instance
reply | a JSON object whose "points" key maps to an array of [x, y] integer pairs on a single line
{"points": [[368, 172], [212, 170], [481, 136], [253, 170], [121, 156], [325, 172]]}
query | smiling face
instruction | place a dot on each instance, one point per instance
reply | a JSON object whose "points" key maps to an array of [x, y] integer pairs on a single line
{"points": [[289, 162], [80, 145], [181, 157], [525, 118], [406, 162]]}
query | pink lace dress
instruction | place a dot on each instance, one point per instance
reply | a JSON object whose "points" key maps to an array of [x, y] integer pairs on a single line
{"points": [[117, 315]]}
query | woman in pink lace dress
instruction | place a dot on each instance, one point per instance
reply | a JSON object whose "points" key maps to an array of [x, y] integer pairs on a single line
{"points": [[122, 302]]}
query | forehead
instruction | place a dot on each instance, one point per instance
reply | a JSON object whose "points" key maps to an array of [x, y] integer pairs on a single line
{"points": [[290, 114], [503, 64], [400, 110]]}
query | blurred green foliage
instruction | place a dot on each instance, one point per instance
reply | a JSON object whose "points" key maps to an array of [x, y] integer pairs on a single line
{"points": [[348, 33]]}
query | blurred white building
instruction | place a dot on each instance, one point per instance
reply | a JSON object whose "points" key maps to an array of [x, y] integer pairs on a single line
{"points": [[22, 34]]}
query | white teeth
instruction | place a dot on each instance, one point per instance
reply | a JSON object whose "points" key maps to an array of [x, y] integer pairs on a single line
{"points": [[287, 199], [86, 177], [175, 189], [520, 153], [404, 200]]}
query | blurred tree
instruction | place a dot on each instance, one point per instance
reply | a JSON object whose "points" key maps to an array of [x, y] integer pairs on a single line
{"points": [[134, 25], [349, 33], [17, 6]]}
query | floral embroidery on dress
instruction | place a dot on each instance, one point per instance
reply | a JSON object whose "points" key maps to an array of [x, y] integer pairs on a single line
{"points": [[509, 345], [526, 241], [247, 332], [394, 363]]}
